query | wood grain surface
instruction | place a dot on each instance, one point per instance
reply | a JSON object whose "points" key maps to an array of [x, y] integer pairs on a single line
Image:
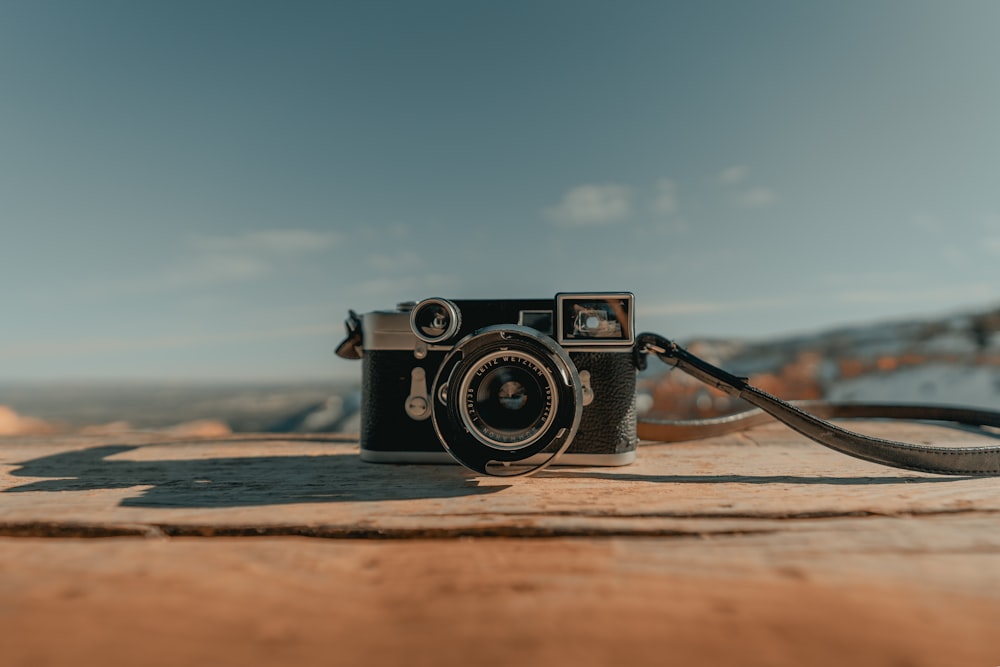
{"points": [[750, 549]]}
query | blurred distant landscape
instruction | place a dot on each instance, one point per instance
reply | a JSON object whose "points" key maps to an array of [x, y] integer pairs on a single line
{"points": [[197, 409], [952, 359]]}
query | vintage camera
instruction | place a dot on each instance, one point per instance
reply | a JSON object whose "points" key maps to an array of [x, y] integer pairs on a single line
{"points": [[504, 387]]}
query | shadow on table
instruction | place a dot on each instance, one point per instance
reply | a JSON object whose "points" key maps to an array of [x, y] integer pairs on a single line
{"points": [[244, 481]]}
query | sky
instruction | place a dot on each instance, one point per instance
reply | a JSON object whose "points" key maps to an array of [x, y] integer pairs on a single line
{"points": [[201, 190]]}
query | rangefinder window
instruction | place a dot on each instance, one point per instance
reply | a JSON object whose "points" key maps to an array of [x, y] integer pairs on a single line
{"points": [[595, 319], [539, 320]]}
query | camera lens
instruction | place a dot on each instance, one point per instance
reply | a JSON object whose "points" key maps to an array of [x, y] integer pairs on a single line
{"points": [[509, 399], [435, 320]]}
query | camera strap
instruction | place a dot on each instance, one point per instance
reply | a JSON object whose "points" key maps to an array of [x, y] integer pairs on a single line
{"points": [[984, 460]]}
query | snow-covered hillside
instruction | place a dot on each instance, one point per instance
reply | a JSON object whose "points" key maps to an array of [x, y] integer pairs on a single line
{"points": [[977, 386]]}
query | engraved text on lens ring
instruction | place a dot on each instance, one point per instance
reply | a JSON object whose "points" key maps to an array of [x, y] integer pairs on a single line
{"points": [[544, 416]]}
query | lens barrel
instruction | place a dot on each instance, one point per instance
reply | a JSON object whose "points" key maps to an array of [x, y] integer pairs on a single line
{"points": [[509, 401]]}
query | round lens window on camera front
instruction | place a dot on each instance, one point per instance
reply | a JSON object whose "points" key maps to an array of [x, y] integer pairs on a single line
{"points": [[509, 399], [434, 320]]}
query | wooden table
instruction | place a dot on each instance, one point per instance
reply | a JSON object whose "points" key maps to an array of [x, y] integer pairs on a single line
{"points": [[751, 549]]}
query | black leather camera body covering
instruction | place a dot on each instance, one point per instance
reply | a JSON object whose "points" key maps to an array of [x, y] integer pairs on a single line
{"points": [[396, 364]]}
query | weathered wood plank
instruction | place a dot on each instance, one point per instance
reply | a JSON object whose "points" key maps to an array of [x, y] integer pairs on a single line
{"points": [[756, 549], [581, 602], [320, 484]]}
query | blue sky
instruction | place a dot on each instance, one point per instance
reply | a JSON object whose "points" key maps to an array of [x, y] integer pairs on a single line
{"points": [[200, 190]]}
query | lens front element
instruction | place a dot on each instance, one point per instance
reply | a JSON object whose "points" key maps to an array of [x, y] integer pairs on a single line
{"points": [[510, 399]]}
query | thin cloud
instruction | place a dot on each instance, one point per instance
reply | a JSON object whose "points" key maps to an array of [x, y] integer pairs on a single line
{"points": [[410, 286], [702, 307], [745, 196], [946, 295], [928, 223], [757, 197], [991, 245], [665, 202], [404, 260], [237, 258], [845, 280], [670, 227], [592, 205], [734, 175], [210, 268], [47, 349], [990, 222], [991, 242], [267, 242]]}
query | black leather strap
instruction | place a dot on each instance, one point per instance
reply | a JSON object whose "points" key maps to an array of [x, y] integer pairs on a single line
{"points": [[923, 458]]}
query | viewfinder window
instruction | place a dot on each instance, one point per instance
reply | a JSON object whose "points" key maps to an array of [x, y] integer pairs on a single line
{"points": [[595, 319]]}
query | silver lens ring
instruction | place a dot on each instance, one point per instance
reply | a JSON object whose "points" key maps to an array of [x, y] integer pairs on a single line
{"points": [[435, 320], [509, 401]]}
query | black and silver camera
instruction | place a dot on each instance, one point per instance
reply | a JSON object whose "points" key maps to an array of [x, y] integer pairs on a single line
{"points": [[504, 387]]}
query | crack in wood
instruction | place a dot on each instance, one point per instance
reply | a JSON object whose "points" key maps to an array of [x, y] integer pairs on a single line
{"points": [[779, 516], [81, 530]]}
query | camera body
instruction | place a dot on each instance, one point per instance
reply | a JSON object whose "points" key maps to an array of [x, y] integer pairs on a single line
{"points": [[503, 386]]}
